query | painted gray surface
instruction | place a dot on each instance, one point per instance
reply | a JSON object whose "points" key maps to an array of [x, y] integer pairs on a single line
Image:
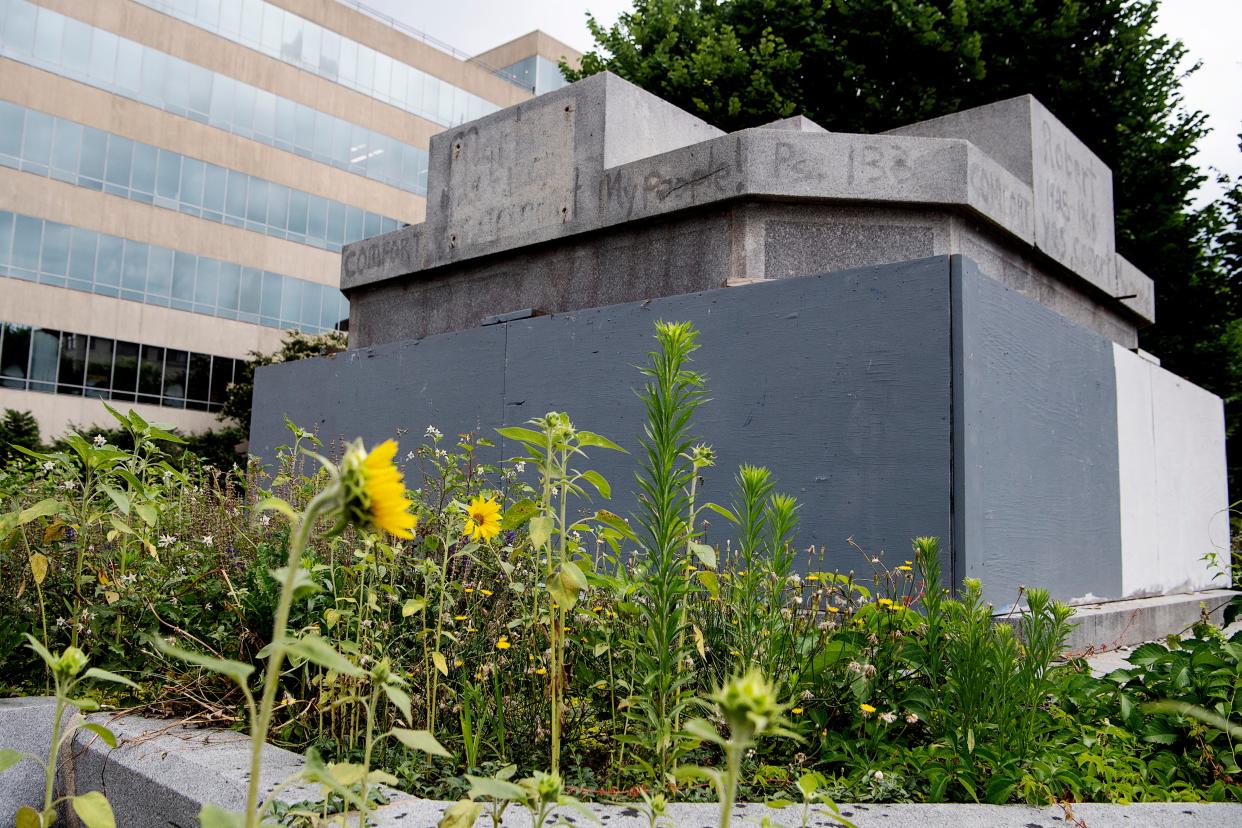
{"points": [[1037, 498], [839, 383]]}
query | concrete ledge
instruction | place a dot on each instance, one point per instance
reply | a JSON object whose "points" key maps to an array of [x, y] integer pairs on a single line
{"points": [[162, 773], [1108, 626], [25, 725]]}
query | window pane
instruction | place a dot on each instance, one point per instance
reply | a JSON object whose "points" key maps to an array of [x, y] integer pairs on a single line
{"points": [[11, 119], [198, 385], [151, 372], [230, 282], [168, 176], [37, 138], [99, 367], [159, 273], [214, 181], [128, 65], [251, 292], [291, 300], [256, 201], [175, 363], [134, 272], [67, 145], [142, 177], [82, 255], [72, 363], [55, 249], [316, 217], [103, 55], [15, 356], [297, 212], [125, 370], [76, 51], [94, 153], [270, 309], [108, 262], [49, 31], [278, 207], [312, 296], [27, 237], [221, 376], [192, 174], [183, 278], [6, 237], [235, 203], [120, 153], [45, 345], [205, 285], [200, 90]]}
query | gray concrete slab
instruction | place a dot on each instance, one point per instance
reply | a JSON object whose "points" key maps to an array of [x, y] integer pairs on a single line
{"points": [[25, 726]]}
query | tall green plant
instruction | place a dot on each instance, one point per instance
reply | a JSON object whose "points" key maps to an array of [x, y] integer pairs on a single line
{"points": [[671, 395]]}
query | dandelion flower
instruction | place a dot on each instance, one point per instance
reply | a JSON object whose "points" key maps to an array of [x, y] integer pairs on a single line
{"points": [[483, 519], [375, 489], [541, 671], [866, 709], [797, 711], [503, 643], [486, 593], [460, 617]]}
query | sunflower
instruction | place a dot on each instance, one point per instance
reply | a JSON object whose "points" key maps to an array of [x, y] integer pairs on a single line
{"points": [[482, 519], [375, 490]]}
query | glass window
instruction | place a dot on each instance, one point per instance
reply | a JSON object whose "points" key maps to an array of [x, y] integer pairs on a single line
{"points": [[151, 81], [273, 25], [330, 54], [176, 96], [286, 135], [336, 223], [159, 275], [27, 238], [200, 90], [231, 16], [349, 62], [19, 27], [251, 293], [312, 297], [151, 374], [364, 75], [44, 351], [125, 371], [214, 182], [94, 153], [108, 264], [99, 367], [235, 203], [297, 212], [192, 174], [120, 154], [168, 175], [354, 218], [382, 85], [146, 160], [76, 53], [6, 237], [371, 226], [221, 376], [72, 371], [230, 282], [311, 38], [55, 259], [291, 40], [256, 201], [198, 384], [184, 266], [11, 118], [134, 271], [66, 146], [128, 65], [278, 207], [205, 285], [291, 299], [103, 55], [316, 217], [265, 114], [37, 138], [14, 356], [270, 309], [175, 363], [49, 32], [223, 91], [82, 255]]}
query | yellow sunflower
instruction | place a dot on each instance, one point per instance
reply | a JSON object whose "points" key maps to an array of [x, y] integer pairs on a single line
{"points": [[375, 489], [483, 519]]}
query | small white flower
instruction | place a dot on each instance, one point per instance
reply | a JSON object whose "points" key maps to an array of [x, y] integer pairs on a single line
{"points": [[265, 519], [167, 541], [208, 541], [48, 466], [879, 776], [100, 441], [520, 466], [167, 475], [433, 432], [68, 485], [912, 717], [442, 454], [207, 606], [173, 600], [410, 455], [888, 717]]}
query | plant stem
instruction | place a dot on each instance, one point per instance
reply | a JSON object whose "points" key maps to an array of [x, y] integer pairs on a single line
{"points": [[50, 781], [258, 727]]}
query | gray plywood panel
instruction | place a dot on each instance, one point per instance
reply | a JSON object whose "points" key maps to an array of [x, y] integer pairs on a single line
{"points": [[1036, 459]]}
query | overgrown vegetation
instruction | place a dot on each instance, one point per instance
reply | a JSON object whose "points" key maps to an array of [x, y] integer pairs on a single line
{"points": [[536, 649]]}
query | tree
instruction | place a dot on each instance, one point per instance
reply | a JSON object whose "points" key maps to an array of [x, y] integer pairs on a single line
{"points": [[870, 65], [296, 345], [17, 428]]}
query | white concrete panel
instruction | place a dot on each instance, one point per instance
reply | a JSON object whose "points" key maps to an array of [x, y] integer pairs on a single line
{"points": [[1171, 463]]}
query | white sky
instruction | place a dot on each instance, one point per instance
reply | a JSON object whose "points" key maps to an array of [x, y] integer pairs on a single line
{"points": [[1209, 28]]}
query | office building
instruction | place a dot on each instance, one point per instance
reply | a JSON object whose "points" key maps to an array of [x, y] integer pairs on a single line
{"points": [[177, 179]]}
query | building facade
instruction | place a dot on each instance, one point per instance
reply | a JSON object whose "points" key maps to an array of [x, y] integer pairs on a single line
{"points": [[178, 177]]}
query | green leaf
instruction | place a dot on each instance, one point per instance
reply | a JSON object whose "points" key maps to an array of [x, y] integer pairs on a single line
{"points": [[28, 817], [461, 814], [614, 521], [303, 583], [236, 670], [497, 789], [709, 581], [413, 605], [316, 650], [703, 730], [590, 438], [540, 531], [147, 512], [276, 504], [597, 480], [9, 758], [688, 772], [213, 816], [38, 567], [93, 809], [523, 435], [400, 700], [102, 732], [105, 675], [41, 651], [722, 511], [420, 740], [706, 554], [118, 497], [44, 508], [517, 514], [440, 661]]}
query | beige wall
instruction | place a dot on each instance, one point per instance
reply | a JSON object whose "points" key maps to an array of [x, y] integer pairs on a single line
{"points": [[74, 101], [531, 43], [168, 34], [47, 198], [58, 413], [395, 43], [44, 306]]}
